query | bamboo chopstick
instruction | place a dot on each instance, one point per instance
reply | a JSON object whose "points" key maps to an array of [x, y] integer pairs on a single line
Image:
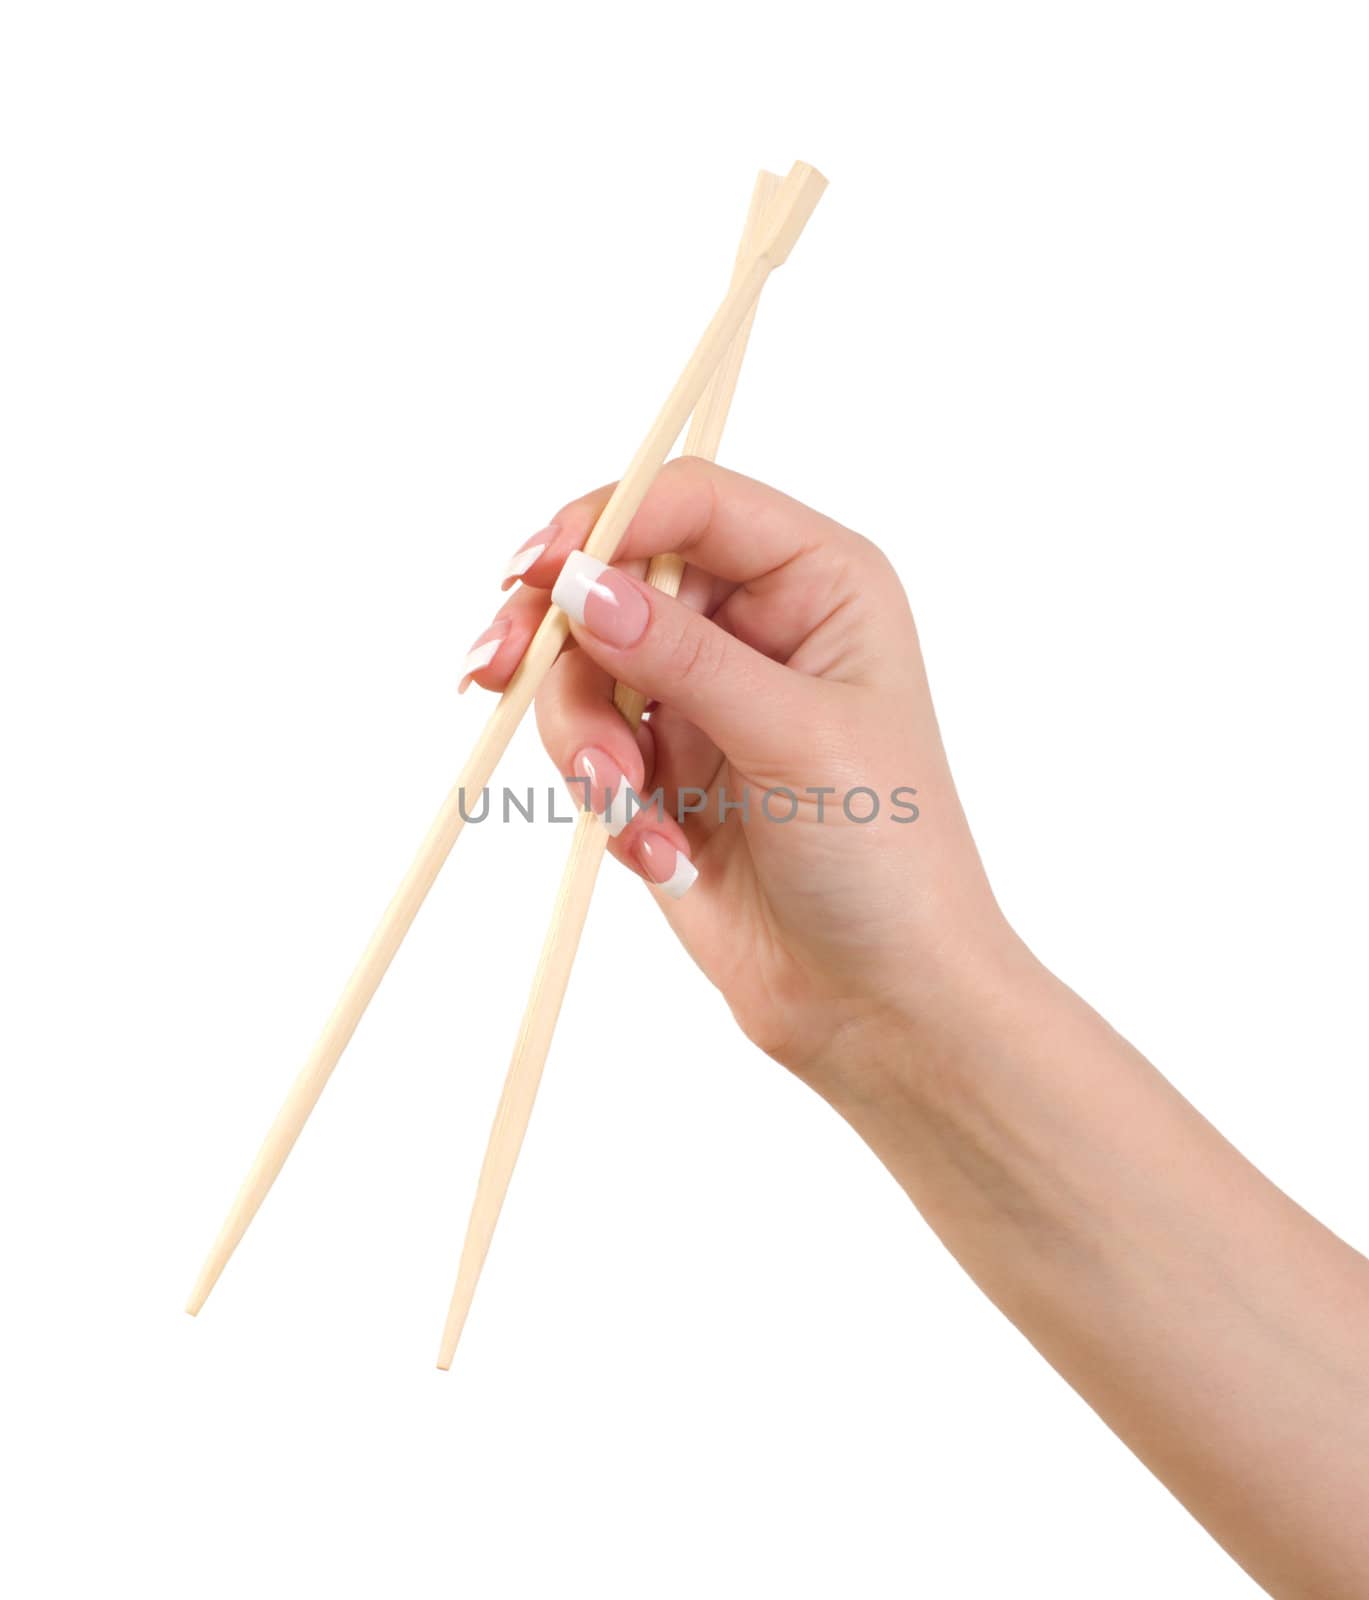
{"points": [[798, 195], [582, 867]]}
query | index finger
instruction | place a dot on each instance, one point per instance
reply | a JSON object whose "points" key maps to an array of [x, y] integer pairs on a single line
{"points": [[727, 524]]}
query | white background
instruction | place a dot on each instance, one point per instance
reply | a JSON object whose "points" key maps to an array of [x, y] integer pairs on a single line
{"points": [[310, 315]]}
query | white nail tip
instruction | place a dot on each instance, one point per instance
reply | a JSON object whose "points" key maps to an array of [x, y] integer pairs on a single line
{"points": [[522, 560], [579, 579], [682, 880], [481, 656], [616, 815]]}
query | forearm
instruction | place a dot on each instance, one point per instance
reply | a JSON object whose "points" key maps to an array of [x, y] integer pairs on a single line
{"points": [[1216, 1327]]}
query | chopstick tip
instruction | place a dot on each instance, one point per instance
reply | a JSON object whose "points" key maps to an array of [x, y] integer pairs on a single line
{"points": [[204, 1286]]}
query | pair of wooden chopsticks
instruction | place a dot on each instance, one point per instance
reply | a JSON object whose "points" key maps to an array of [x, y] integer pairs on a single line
{"points": [[582, 868], [779, 212]]}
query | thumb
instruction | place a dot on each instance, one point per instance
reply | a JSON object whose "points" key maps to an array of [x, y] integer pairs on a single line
{"points": [[747, 704]]}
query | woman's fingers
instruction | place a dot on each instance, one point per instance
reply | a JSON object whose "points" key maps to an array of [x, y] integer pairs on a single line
{"points": [[685, 765], [783, 575], [547, 548], [496, 651], [785, 585], [586, 736], [747, 704], [727, 524], [594, 749], [603, 761], [656, 849], [600, 757]]}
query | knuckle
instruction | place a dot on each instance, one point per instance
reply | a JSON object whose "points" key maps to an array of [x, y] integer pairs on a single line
{"points": [[685, 469], [871, 558], [697, 654], [579, 515], [682, 499]]}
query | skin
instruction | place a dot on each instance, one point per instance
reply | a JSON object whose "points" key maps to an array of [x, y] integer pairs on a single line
{"points": [[1215, 1326]]}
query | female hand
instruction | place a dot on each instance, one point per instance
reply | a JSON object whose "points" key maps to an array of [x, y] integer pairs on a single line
{"points": [[1214, 1325], [791, 734]]}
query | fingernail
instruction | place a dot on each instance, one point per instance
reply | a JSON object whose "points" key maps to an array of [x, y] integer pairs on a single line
{"points": [[607, 787], [526, 554], [669, 869], [483, 651], [606, 602]]}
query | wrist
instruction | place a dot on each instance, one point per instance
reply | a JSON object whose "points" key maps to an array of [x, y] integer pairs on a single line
{"points": [[923, 1039]]}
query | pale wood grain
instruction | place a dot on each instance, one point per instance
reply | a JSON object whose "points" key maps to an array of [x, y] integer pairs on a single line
{"points": [[794, 204], [582, 868]]}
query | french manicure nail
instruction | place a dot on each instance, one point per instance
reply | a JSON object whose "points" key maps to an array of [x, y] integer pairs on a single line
{"points": [[601, 599], [606, 784], [483, 651], [669, 869], [526, 554]]}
